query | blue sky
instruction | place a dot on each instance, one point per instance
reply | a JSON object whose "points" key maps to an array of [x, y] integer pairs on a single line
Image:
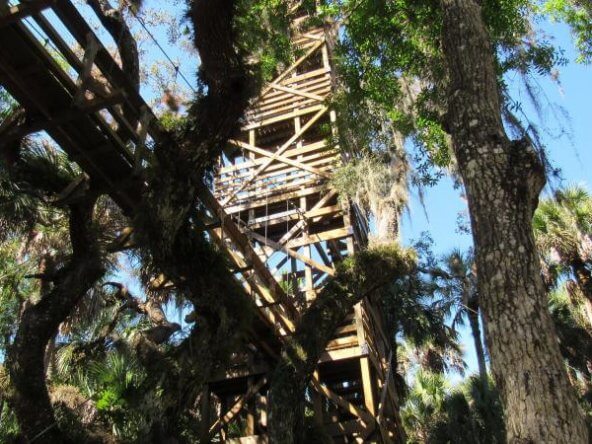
{"points": [[568, 138]]}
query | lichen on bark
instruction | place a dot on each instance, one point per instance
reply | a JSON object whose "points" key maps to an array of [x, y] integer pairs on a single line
{"points": [[503, 179]]}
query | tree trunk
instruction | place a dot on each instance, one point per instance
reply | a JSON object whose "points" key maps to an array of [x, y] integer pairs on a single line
{"points": [[39, 323], [358, 277], [479, 350], [503, 179], [387, 223], [583, 277]]}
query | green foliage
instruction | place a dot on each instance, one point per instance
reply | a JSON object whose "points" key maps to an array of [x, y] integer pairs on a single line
{"points": [[436, 413], [13, 290], [389, 58], [263, 34], [578, 15], [563, 231]]}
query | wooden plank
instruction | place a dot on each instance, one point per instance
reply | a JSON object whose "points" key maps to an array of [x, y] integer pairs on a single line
{"points": [[300, 225], [282, 197], [281, 150], [342, 402], [246, 249], [278, 218], [287, 116], [12, 14], [337, 233], [340, 354], [297, 92], [231, 414], [280, 158], [317, 159], [330, 271], [293, 66]]}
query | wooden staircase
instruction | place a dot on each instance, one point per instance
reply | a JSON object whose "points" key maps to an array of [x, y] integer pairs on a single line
{"points": [[272, 210]]}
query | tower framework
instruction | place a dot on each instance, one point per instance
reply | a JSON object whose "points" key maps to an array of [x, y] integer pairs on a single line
{"points": [[273, 211], [274, 182]]}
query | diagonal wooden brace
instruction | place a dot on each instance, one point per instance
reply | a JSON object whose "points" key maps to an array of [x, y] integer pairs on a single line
{"points": [[84, 78]]}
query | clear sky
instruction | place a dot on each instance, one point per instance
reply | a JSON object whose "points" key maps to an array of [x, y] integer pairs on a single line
{"points": [[566, 125]]}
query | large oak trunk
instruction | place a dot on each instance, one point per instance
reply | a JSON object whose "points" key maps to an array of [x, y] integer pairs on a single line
{"points": [[39, 323], [503, 179]]}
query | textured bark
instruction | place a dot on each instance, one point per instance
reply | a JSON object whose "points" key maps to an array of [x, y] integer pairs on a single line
{"points": [[360, 276], [39, 323], [387, 223], [503, 179]]}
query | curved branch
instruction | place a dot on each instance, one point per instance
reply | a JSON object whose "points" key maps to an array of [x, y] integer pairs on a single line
{"points": [[40, 321]]}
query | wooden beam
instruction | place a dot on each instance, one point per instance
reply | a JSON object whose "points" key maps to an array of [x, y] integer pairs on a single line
{"points": [[342, 402], [231, 414], [337, 233], [300, 225], [292, 67], [279, 152], [44, 124], [243, 244], [278, 158], [297, 92], [18, 12], [285, 116], [276, 246]]}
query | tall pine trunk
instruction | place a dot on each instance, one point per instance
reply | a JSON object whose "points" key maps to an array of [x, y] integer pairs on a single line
{"points": [[479, 349], [503, 179]]}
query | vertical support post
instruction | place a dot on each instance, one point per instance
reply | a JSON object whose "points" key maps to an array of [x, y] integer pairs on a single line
{"points": [[250, 429], [367, 382], [317, 402], [205, 414], [252, 157], [262, 405], [223, 410]]}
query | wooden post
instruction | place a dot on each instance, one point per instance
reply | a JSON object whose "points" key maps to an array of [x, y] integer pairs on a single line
{"points": [[251, 410], [317, 402], [205, 414]]}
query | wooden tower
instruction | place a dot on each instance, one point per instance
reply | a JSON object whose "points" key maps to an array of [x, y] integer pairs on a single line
{"points": [[273, 182], [272, 212]]}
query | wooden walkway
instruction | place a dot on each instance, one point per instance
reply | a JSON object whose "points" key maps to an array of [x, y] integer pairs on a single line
{"points": [[50, 87]]}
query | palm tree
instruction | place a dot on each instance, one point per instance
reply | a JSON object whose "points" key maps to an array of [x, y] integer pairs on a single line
{"points": [[457, 284], [415, 323], [470, 414], [574, 337], [424, 405], [563, 230]]}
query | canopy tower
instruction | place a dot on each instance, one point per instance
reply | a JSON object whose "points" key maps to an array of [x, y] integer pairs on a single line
{"points": [[272, 210], [273, 181]]}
